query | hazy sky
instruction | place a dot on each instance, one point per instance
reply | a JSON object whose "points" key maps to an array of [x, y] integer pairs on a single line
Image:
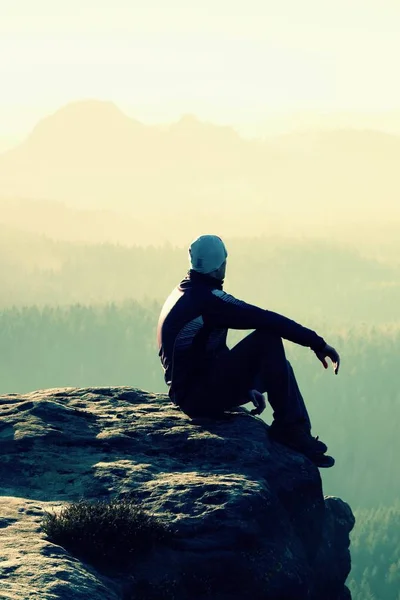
{"points": [[225, 60]]}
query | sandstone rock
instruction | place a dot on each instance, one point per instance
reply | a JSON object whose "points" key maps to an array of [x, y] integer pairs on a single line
{"points": [[249, 514]]}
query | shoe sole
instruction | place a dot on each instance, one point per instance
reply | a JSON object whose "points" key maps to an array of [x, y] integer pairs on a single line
{"points": [[314, 457], [297, 449], [327, 465]]}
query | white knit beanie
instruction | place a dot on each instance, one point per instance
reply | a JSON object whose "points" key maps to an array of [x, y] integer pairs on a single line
{"points": [[207, 253]]}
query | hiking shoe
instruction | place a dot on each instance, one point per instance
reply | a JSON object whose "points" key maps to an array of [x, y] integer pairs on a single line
{"points": [[322, 460], [298, 437]]}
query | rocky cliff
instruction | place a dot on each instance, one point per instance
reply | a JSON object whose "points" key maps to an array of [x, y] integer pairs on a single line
{"points": [[249, 516]]}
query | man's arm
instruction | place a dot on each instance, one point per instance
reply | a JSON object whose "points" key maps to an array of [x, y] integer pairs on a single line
{"points": [[224, 310]]}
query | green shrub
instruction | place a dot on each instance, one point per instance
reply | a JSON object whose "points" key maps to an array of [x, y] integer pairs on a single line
{"points": [[108, 535]]}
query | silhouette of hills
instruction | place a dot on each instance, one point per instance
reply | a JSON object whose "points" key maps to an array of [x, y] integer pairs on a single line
{"points": [[80, 136], [91, 155], [98, 134]]}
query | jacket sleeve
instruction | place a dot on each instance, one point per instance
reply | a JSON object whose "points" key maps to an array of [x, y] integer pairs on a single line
{"points": [[224, 310]]}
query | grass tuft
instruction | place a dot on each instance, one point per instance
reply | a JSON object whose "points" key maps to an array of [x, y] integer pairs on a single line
{"points": [[108, 535]]}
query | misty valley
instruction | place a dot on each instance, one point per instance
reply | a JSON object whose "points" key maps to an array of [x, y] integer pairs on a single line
{"points": [[75, 314]]}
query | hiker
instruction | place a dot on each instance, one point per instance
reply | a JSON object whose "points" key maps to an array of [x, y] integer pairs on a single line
{"points": [[205, 377]]}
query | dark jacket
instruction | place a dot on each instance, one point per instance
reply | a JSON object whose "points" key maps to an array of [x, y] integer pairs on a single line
{"points": [[194, 323]]}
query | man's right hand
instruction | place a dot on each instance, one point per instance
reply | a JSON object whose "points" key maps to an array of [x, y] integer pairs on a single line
{"points": [[329, 352], [257, 398]]}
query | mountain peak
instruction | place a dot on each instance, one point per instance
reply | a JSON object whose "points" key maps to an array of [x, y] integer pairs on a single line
{"points": [[89, 109], [83, 119]]}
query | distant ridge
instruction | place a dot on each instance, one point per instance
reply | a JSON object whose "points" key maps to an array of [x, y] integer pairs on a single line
{"points": [[90, 154], [102, 129], [80, 135]]}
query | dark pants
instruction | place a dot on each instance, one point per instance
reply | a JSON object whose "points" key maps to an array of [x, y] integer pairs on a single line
{"points": [[257, 362]]}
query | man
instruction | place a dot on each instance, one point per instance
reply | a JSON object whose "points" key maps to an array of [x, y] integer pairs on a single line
{"points": [[205, 377]]}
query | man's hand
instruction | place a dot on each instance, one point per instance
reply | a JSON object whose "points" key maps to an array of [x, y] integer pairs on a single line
{"points": [[258, 400], [329, 352]]}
